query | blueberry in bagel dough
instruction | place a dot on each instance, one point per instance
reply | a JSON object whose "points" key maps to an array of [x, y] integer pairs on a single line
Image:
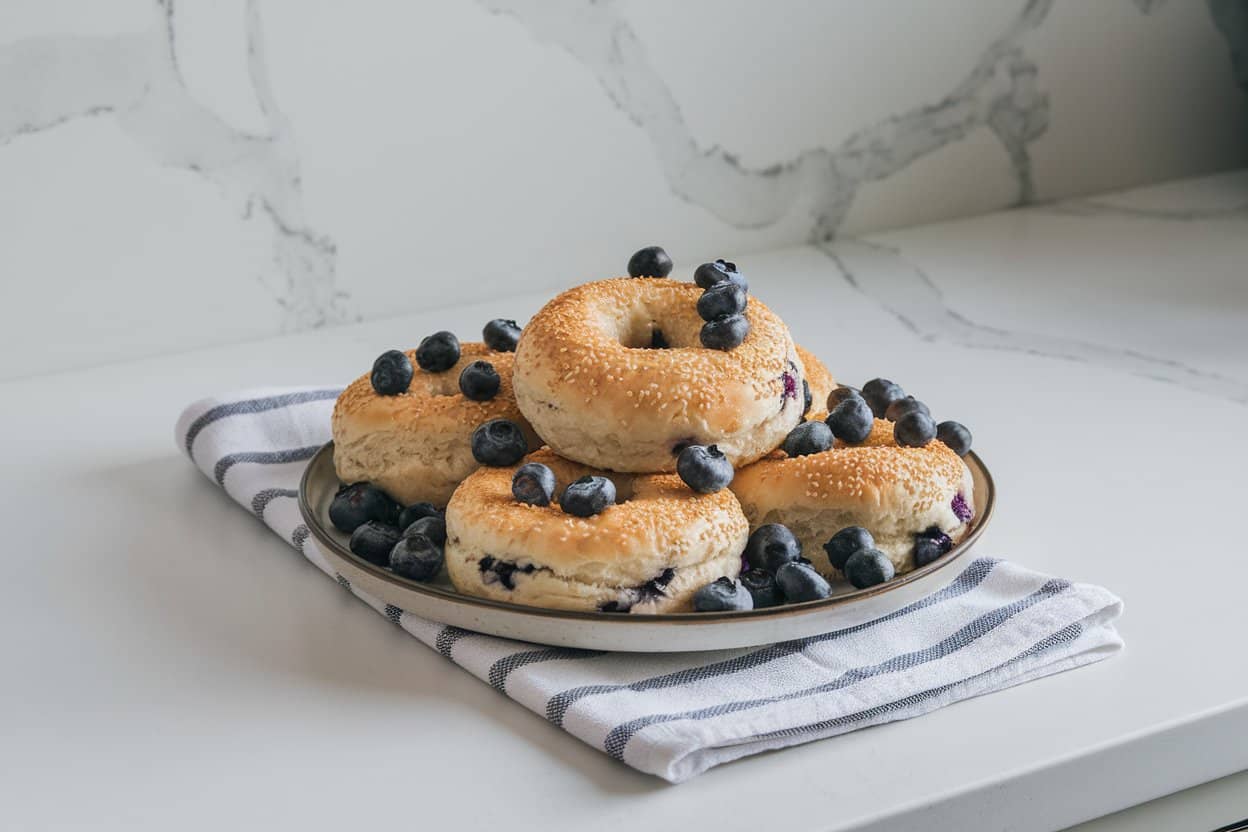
{"points": [[880, 393], [416, 557], [651, 261], [499, 442], [373, 542], [479, 381], [438, 352], [725, 333], [868, 567], [705, 469], [392, 373], [356, 504], [534, 484], [501, 335], [929, 545], [800, 582], [722, 595]]}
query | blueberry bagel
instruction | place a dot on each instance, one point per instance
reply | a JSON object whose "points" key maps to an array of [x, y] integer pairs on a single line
{"points": [[819, 382], [911, 500], [417, 445], [649, 551], [613, 374]]}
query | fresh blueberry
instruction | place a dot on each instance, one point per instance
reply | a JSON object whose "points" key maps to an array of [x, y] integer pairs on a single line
{"points": [[498, 442], [417, 557], [725, 333], [479, 381], [392, 373], [722, 299], [956, 436], [501, 335], [808, 438], [868, 567], [807, 399], [880, 393], [840, 394], [722, 595], [763, 588], [901, 407], [914, 430], [771, 546], [533, 483], [433, 528], [588, 496], [930, 545], [844, 543], [800, 582], [373, 542], [708, 274], [438, 352], [651, 261], [356, 504], [416, 511], [704, 468], [851, 421]]}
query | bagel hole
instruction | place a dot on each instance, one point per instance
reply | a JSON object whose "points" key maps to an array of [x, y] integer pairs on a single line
{"points": [[644, 330]]}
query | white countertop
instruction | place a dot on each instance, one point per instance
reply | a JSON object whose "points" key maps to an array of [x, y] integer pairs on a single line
{"points": [[167, 660]]}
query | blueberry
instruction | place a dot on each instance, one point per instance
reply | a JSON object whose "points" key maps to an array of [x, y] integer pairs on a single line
{"points": [[533, 483], [868, 567], [800, 582], [704, 468], [845, 542], [771, 546], [851, 421], [808, 438], [651, 261], [588, 496], [433, 528], [657, 340], [961, 509], [914, 430], [416, 511], [880, 393], [501, 335], [708, 274], [416, 557], [392, 373], [724, 333], [956, 436], [373, 542], [498, 442], [930, 545], [438, 352], [840, 394], [901, 407], [356, 504], [721, 300], [807, 399], [721, 595], [479, 381], [763, 588]]}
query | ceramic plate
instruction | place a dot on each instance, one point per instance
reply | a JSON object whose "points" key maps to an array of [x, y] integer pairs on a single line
{"points": [[675, 632]]}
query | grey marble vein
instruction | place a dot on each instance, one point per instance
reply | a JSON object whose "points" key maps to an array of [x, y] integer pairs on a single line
{"points": [[1107, 208]]}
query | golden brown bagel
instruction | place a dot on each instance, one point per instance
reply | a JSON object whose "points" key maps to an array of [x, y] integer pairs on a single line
{"points": [[820, 382]]}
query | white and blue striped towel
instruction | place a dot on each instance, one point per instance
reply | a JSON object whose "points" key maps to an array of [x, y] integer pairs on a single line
{"points": [[676, 715]]}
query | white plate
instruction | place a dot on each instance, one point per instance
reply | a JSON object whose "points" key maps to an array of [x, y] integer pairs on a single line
{"points": [[670, 633]]}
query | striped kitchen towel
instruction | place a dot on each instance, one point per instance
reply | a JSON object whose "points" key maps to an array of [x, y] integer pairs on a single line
{"points": [[676, 715]]}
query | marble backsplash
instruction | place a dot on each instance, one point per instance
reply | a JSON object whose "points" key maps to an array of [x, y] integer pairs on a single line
{"points": [[176, 175]]}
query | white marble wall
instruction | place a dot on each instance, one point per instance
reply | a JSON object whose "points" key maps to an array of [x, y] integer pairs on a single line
{"points": [[180, 175]]}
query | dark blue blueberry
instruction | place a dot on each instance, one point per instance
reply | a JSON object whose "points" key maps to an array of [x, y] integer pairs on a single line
{"points": [[868, 567], [880, 393], [807, 399], [416, 511], [901, 407], [851, 421], [656, 587], [956, 436], [479, 381], [651, 261], [433, 528], [533, 483], [770, 547], [438, 352], [704, 468], [588, 496], [417, 557], [840, 394], [789, 382], [373, 542], [356, 504], [724, 333], [914, 430], [392, 373], [722, 299], [499, 442], [800, 582], [844, 543], [708, 274], [929, 545], [763, 588], [501, 335], [961, 509], [808, 438], [495, 571], [722, 595]]}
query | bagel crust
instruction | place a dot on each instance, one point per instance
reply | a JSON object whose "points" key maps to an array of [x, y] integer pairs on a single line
{"points": [[821, 383], [417, 445], [648, 553], [589, 378], [894, 492]]}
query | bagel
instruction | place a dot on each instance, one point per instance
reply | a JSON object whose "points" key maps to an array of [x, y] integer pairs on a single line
{"points": [[892, 491], [650, 552], [417, 445], [589, 378], [819, 381]]}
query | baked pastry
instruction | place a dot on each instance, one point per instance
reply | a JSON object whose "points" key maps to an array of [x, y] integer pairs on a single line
{"points": [[416, 445], [649, 552], [613, 374], [818, 381]]}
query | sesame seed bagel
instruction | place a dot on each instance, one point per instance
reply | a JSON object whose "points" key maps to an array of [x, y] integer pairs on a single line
{"points": [[648, 553], [591, 382], [417, 445], [820, 381], [894, 492]]}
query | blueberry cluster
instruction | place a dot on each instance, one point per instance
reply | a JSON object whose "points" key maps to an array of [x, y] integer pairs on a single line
{"points": [[852, 550], [777, 574], [534, 484], [722, 305], [409, 540], [852, 413]]}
